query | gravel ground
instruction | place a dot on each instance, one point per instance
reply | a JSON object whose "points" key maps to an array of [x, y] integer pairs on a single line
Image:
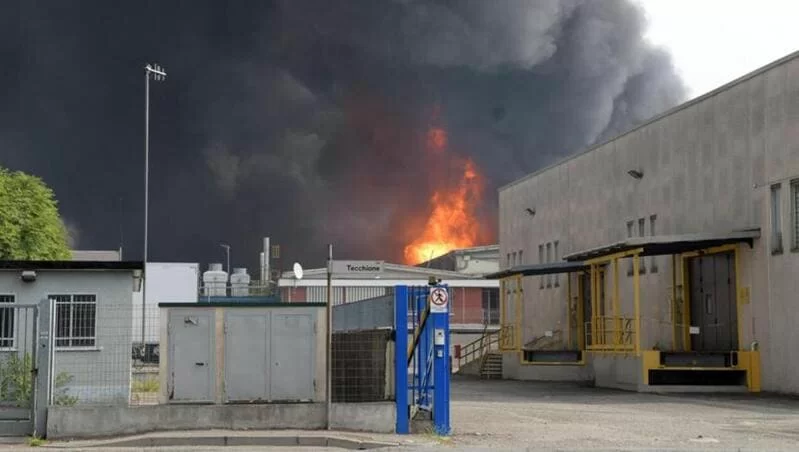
{"points": [[513, 415], [545, 416]]}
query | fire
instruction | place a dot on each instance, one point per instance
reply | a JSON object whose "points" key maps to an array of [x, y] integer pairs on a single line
{"points": [[452, 223]]}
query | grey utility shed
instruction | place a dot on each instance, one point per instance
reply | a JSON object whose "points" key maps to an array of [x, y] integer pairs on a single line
{"points": [[243, 352]]}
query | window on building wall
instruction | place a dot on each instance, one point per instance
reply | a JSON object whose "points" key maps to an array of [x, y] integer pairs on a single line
{"points": [[776, 219], [557, 277], [653, 260], [630, 234], [76, 320], [541, 261], [521, 260], [514, 261], [549, 260], [491, 306], [641, 233], [508, 264], [795, 215], [6, 322]]}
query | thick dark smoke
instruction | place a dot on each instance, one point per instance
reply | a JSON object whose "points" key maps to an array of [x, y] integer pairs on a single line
{"points": [[305, 120]]}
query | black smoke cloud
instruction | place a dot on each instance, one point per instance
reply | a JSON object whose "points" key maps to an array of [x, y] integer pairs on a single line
{"points": [[305, 120]]}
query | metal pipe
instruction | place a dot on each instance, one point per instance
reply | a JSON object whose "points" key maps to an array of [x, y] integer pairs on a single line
{"points": [[329, 338], [146, 196]]}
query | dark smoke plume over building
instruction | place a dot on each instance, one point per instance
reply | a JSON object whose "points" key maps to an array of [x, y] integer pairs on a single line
{"points": [[305, 120]]}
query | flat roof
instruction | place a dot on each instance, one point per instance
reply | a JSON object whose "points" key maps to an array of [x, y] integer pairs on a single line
{"points": [[539, 269], [667, 244], [234, 304], [70, 265]]}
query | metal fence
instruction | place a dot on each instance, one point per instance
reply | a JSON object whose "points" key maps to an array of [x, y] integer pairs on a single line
{"points": [[98, 357]]}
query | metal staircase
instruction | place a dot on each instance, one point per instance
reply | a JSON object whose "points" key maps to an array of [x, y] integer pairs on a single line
{"points": [[491, 366], [483, 357]]}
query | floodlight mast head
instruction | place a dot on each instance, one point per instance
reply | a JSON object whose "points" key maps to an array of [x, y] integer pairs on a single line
{"points": [[157, 72]]}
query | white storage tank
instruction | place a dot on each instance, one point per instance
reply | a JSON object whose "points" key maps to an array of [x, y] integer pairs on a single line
{"points": [[215, 281], [239, 283]]}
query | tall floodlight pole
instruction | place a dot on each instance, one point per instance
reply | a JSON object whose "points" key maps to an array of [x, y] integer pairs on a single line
{"points": [[157, 73]]}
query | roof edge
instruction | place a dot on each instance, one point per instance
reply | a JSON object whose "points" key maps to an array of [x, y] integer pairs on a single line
{"points": [[689, 103]]}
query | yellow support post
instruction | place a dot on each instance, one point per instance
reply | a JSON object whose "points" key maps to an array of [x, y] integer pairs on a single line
{"points": [[580, 310], [569, 307], [675, 322], [518, 323], [637, 300], [617, 335], [686, 306], [594, 314]]}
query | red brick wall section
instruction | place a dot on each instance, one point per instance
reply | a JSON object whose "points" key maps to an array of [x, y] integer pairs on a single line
{"points": [[293, 294], [471, 305]]}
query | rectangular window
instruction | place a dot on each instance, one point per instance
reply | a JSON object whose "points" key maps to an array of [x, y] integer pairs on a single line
{"points": [[776, 219], [630, 227], [508, 259], [6, 322], [76, 320], [557, 277], [795, 215], [641, 233], [549, 260], [541, 261], [521, 261], [653, 261], [513, 260], [491, 306]]}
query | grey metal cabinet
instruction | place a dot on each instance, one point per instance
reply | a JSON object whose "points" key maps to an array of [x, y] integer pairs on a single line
{"points": [[292, 351], [269, 356], [191, 354], [246, 359]]}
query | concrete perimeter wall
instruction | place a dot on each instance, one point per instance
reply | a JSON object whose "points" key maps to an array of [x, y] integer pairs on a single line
{"points": [[101, 421]]}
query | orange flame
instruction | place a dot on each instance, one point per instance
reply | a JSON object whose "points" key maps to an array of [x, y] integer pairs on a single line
{"points": [[452, 223]]}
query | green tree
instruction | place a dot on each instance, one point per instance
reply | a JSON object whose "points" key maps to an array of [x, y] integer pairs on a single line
{"points": [[30, 225]]}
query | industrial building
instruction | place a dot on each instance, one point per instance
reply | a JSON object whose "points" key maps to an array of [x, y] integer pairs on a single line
{"points": [[666, 258]]}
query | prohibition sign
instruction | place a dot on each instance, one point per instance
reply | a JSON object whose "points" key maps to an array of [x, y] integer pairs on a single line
{"points": [[439, 299]]}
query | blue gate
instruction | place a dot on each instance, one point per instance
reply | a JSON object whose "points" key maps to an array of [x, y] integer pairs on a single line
{"points": [[422, 366]]}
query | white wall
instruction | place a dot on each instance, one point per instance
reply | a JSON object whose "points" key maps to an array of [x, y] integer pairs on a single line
{"points": [[701, 165]]}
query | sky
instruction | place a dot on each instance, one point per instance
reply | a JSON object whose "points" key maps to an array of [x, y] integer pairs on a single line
{"points": [[713, 42], [307, 120]]}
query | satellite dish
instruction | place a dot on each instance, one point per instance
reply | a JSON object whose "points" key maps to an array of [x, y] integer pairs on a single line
{"points": [[297, 270]]}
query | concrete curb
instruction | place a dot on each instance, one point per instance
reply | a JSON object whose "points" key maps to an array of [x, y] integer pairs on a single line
{"points": [[227, 441]]}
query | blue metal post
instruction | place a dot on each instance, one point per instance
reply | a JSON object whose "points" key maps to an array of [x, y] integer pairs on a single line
{"points": [[401, 358], [441, 371]]}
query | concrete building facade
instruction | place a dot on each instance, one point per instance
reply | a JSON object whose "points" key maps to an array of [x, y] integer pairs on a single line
{"points": [[716, 178], [93, 311]]}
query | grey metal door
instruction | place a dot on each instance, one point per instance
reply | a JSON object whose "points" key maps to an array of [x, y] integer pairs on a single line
{"points": [[292, 357], [246, 357], [191, 353], [714, 317], [17, 364]]}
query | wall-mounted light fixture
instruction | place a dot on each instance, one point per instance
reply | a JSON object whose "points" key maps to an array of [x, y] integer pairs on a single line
{"points": [[28, 276], [137, 280], [637, 174], [530, 211]]}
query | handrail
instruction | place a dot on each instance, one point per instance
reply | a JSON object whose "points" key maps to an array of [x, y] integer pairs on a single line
{"points": [[479, 348], [612, 334]]}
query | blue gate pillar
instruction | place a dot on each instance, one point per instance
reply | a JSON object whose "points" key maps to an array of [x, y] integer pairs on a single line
{"points": [[439, 314], [401, 358]]}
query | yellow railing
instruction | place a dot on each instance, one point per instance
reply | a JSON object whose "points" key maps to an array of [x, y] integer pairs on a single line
{"points": [[495, 340], [613, 334]]}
